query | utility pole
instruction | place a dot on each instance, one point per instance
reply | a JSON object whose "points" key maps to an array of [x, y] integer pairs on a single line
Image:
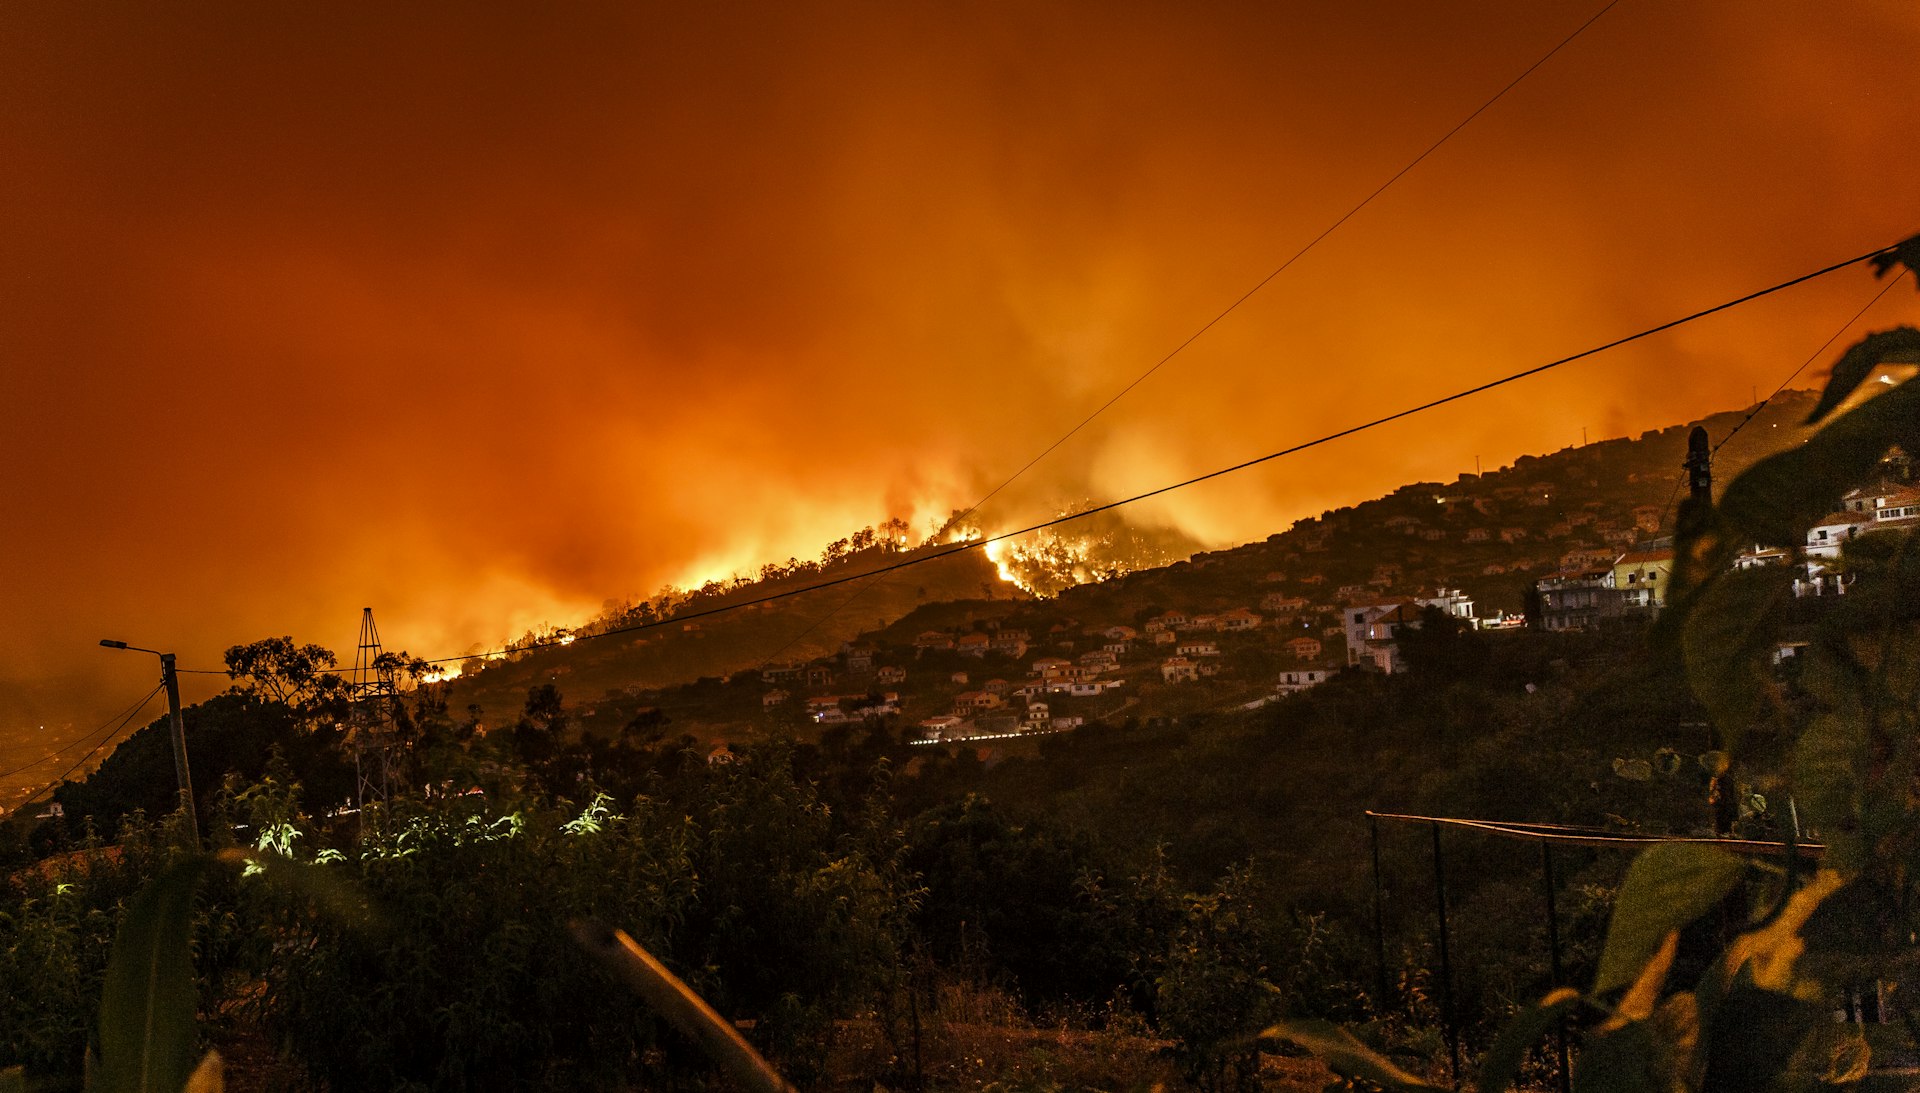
{"points": [[1699, 466], [1721, 794], [170, 679]]}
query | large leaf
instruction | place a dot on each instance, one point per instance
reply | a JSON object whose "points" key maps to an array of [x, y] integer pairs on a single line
{"points": [[147, 1009], [1777, 499], [682, 1007], [1770, 956], [1886, 588], [147, 1034], [1864, 433], [209, 1077], [1501, 1064], [1676, 1029], [1900, 345], [1641, 998], [1728, 640], [1904, 253], [1346, 1055], [1667, 887], [1829, 764], [1754, 1035], [1622, 1060], [1847, 1060], [1853, 937]]}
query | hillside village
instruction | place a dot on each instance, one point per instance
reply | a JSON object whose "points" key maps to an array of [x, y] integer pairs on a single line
{"points": [[1581, 537], [1250, 699]]}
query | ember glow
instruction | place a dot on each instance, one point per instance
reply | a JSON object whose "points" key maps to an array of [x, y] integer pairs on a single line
{"points": [[485, 314], [1096, 548]]}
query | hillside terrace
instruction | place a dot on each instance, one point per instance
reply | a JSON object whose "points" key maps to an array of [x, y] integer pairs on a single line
{"points": [[1576, 508]]}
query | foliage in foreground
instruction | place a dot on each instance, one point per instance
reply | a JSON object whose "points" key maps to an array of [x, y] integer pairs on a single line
{"points": [[791, 906], [1845, 745]]}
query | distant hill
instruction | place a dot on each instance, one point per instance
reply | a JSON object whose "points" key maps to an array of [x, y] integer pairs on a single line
{"points": [[1425, 535], [791, 630], [1489, 535]]}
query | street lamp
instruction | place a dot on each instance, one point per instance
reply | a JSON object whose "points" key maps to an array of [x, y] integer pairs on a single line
{"points": [[171, 681]]}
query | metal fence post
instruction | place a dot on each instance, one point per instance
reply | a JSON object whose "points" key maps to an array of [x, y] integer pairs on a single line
{"points": [[1447, 1019], [1379, 923], [1553, 948]]}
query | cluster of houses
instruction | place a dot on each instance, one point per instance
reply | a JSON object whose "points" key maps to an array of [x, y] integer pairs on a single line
{"points": [[1182, 647], [1868, 509], [1595, 583], [1591, 589], [1372, 629]]}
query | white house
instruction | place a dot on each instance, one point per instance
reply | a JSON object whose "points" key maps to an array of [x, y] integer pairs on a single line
{"points": [[943, 728], [1239, 619], [1300, 679], [1825, 537]]}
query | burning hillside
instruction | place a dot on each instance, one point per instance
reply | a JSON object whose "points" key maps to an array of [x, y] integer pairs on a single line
{"points": [[1099, 547]]}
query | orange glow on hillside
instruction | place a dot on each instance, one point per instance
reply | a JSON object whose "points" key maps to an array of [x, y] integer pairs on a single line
{"points": [[487, 319]]}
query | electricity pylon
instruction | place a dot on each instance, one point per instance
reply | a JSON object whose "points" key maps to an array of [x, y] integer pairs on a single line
{"points": [[371, 729]]}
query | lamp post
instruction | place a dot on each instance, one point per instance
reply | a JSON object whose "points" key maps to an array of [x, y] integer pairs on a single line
{"points": [[171, 681]]}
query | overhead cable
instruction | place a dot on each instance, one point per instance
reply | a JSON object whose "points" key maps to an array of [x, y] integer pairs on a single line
{"points": [[1682, 478], [1811, 357], [976, 544], [1231, 307], [1297, 255], [124, 721], [78, 740]]}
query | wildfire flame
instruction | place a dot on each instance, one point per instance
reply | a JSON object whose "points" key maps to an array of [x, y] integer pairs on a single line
{"points": [[1051, 561]]}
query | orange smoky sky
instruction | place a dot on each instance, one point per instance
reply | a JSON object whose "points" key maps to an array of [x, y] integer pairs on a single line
{"points": [[481, 314]]}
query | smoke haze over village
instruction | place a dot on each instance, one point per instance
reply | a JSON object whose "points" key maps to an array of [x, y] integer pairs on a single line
{"points": [[483, 315]]}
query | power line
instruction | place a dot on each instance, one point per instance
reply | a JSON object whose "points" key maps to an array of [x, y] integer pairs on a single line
{"points": [[1297, 255], [821, 621], [1228, 310], [1811, 357], [1667, 509], [1678, 481], [975, 544], [135, 712], [1241, 299], [76, 741]]}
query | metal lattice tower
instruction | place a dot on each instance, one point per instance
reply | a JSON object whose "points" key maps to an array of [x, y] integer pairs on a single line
{"points": [[371, 731]]}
